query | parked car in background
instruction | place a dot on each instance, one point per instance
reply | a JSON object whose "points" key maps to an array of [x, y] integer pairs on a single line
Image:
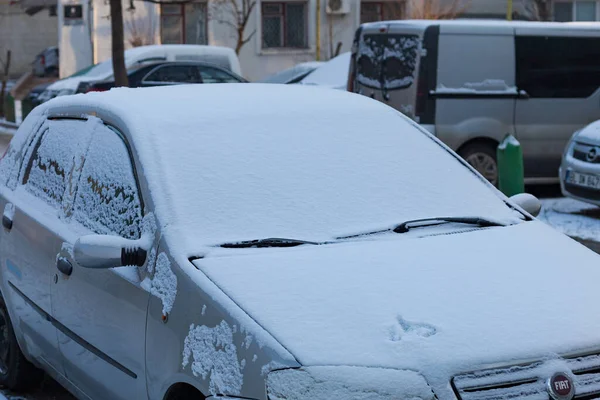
{"points": [[332, 74], [46, 63], [223, 57], [580, 168], [292, 75], [168, 73], [472, 82]]}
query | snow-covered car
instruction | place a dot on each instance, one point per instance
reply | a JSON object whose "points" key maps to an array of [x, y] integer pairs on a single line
{"points": [[223, 57], [292, 75], [229, 240], [580, 167], [332, 74]]}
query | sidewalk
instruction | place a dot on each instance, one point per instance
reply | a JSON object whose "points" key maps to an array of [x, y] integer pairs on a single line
{"points": [[579, 220]]}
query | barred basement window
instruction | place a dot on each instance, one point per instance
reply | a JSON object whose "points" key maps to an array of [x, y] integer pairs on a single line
{"points": [[284, 25]]}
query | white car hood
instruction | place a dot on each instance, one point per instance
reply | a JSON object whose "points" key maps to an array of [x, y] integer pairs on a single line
{"points": [[590, 134], [438, 304]]}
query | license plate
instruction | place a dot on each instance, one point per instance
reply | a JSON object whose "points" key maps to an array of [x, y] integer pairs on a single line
{"points": [[585, 180]]}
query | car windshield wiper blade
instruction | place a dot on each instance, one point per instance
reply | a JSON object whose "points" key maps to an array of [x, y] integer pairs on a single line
{"points": [[270, 242], [406, 225]]}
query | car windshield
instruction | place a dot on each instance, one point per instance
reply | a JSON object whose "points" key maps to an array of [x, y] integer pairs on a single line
{"points": [[295, 167]]}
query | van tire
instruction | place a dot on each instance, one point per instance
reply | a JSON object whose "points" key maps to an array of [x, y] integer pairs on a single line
{"points": [[482, 157], [16, 373]]}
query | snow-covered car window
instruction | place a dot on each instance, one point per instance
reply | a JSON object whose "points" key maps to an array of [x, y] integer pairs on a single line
{"points": [[51, 164], [107, 199], [387, 60]]}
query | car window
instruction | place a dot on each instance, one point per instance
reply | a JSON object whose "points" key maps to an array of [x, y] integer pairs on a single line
{"points": [[59, 150], [558, 67], [107, 199], [214, 75], [388, 60], [174, 74]]}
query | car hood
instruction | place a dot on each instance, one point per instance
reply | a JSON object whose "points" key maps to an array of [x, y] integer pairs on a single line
{"points": [[438, 305], [590, 134]]}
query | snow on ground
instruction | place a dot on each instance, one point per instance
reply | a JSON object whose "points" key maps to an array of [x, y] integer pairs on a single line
{"points": [[572, 217]]}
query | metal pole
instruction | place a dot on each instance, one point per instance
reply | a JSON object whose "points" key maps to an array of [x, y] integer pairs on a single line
{"points": [[509, 10], [318, 30]]}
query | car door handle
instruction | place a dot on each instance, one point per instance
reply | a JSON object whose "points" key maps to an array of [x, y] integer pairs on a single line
{"points": [[64, 266], [7, 217]]}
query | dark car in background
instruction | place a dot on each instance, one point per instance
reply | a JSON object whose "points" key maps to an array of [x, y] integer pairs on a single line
{"points": [[46, 62], [167, 73]]}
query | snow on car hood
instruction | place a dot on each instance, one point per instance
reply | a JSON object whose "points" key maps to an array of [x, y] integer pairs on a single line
{"points": [[590, 134], [333, 74], [437, 305]]}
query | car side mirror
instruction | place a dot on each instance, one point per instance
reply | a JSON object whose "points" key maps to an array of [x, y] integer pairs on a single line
{"points": [[528, 202], [105, 251]]}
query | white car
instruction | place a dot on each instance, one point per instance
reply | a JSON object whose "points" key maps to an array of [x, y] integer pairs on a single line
{"points": [[332, 74], [580, 167], [223, 57], [277, 242]]}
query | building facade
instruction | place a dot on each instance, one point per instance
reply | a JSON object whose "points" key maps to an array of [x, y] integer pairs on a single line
{"points": [[281, 33], [25, 32]]}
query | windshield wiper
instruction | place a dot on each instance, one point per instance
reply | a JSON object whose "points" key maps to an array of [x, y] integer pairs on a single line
{"points": [[270, 242], [406, 225]]}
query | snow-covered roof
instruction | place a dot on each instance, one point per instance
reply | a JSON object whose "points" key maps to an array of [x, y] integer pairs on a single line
{"points": [[234, 162], [488, 23]]}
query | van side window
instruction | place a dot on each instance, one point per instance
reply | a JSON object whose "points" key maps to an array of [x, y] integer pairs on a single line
{"points": [[60, 148], [558, 67], [107, 199], [387, 60]]}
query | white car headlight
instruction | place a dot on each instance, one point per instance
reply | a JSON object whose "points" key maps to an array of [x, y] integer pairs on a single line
{"points": [[348, 383]]}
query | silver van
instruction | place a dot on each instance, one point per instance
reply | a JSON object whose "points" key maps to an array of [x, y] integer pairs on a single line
{"points": [[471, 82]]}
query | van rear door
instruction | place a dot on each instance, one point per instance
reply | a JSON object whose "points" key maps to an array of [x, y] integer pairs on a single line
{"points": [[386, 58]]}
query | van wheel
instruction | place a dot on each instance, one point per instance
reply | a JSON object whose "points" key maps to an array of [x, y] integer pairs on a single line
{"points": [[482, 157], [16, 373]]}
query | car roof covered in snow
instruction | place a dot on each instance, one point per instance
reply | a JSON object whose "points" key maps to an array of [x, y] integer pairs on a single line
{"points": [[492, 26], [233, 162]]}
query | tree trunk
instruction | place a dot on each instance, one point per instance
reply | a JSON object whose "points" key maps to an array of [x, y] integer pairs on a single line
{"points": [[4, 78], [118, 43]]}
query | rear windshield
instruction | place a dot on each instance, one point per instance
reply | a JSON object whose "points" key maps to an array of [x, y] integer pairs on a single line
{"points": [[387, 61], [218, 60]]}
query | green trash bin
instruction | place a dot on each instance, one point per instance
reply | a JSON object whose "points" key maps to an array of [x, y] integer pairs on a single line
{"points": [[511, 179]]}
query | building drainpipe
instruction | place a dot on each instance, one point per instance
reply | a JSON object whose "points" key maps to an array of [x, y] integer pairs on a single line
{"points": [[509, 10], [318, 31]]}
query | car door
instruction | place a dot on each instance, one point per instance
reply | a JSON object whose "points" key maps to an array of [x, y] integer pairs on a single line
{"points": [[35, 229], [102, 312], [172, 74], [561, 77]]}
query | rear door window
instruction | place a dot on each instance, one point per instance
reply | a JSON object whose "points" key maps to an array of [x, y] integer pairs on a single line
{"points": [[173, 74], [55, 157], [214, 75], [387, 60]]}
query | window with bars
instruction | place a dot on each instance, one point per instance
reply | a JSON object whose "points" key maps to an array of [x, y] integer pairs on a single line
{"points": [[184, 23], [373, 11], [578, 10], [284, 25]]}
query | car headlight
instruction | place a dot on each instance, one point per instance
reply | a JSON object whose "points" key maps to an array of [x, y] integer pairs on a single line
{"points": [[569, 147], [348, 383]]}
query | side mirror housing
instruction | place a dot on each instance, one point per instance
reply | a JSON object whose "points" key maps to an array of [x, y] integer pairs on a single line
{"points": [[105, 251], [528, 202]]}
